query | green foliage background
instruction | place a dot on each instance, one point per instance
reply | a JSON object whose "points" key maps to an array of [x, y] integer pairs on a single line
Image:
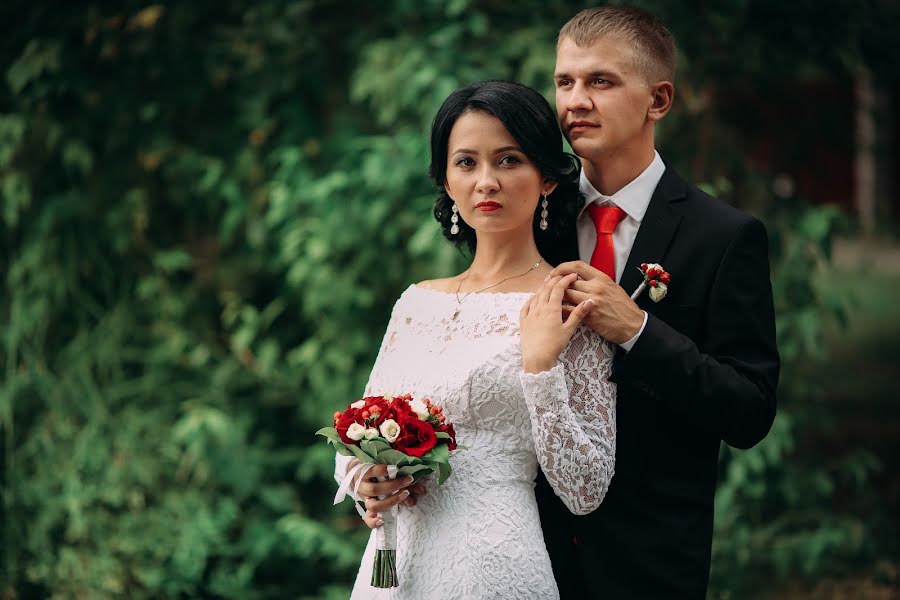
{"points": [[207, 210]]}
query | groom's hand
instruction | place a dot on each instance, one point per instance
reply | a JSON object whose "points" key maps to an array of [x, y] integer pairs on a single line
{"points": [[614, 316]]}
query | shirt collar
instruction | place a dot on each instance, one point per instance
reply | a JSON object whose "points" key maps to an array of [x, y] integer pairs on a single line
{"points": [[634, 198]]}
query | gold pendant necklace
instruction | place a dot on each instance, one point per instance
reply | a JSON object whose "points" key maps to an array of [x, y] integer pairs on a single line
{"points": [[467, 294]]}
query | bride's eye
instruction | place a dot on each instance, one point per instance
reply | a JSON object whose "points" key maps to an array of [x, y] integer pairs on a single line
{"points": [[464, 162], [509, 161]]}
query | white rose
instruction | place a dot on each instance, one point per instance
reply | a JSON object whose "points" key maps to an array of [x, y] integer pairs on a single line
{"points": [[371, 433], [659, 292], [358, 404], [390, 430], [356, 432], [419, 408]]}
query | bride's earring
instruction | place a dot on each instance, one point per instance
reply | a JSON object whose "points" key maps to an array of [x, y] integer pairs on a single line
{"points": [[454, 229], [544, 213]]}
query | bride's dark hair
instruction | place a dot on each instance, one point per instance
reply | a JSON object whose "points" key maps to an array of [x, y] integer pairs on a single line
{"points": [[530, 120]]}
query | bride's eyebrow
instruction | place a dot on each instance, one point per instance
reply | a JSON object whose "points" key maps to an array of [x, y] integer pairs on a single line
{"points": [[496, 151]]}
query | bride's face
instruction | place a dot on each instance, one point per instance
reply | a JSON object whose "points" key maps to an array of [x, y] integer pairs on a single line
{"points": [[494, 184]]}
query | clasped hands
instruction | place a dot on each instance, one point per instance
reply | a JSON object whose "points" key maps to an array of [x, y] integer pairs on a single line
{"points": [[573, 293]]}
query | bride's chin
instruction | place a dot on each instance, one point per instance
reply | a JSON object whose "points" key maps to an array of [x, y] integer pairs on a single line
{"points": [[498, 225]]}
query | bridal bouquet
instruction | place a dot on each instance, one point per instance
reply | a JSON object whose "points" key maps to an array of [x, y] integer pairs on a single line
{"points": [[411, 436]]}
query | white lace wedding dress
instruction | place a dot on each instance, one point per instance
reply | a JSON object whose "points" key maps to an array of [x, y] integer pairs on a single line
{"points": [[479, 535]]}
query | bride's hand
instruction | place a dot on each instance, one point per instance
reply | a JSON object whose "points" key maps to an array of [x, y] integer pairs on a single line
{"points": [[373, 518], [370, 490], [543, 330]]}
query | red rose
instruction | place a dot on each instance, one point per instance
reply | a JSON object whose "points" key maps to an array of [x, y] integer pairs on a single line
{"points": [[373, 400], [644, 267], [665, 278], [652, 283], [394, 410], [416, 437], [350, 416], [448, 428]]}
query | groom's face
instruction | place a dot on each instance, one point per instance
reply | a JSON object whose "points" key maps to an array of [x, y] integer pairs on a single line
{"points": [[602, 99]]}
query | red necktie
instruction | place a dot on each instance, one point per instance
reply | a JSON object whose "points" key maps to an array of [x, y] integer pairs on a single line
{"points": [[606, 218]]}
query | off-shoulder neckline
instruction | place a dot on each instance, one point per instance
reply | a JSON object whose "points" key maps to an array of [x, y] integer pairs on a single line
{"points": [[467, 294]]}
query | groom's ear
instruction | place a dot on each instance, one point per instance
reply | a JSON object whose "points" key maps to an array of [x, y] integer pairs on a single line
{"points": [[663, 93]]}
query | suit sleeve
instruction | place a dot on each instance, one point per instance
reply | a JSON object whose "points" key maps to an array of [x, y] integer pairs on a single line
{"points": [[728, 388]]}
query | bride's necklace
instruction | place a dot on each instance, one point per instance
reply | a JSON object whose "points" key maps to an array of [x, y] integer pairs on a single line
{"points": [[459, 300]]}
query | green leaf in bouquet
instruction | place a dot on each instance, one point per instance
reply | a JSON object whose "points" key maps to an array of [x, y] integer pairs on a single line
{"points": [[374, 446], [417, 471], [395, 457], [443, 435], [342, 448], [331, 434], [362, 456], [443, 472], [439, 453], [334, 438]]}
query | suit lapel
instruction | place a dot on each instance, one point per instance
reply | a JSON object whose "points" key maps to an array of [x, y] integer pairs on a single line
{"points": [[657, 229]]}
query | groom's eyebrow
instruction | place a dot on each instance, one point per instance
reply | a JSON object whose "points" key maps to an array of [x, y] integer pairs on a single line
{"points": [[602, 74], [606, 74]]}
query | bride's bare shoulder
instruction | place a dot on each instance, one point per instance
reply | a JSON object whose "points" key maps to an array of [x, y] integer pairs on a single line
{"points": [[446, 284]]}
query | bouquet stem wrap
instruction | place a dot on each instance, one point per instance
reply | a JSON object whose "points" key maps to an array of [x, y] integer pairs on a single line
{"points": [[384, 572]]}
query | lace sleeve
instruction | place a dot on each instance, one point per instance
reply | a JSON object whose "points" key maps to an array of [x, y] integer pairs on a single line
{"points": [[573, 419], [388, 344]]}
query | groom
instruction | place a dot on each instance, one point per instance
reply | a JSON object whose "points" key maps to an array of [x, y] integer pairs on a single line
{"points": [[698, 367]]}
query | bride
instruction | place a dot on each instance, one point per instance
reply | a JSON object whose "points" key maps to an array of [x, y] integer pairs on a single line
{"points": [[525, 386]]}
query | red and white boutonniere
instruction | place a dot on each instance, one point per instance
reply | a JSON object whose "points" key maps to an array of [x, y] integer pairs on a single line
{"points": [[656, 278]]}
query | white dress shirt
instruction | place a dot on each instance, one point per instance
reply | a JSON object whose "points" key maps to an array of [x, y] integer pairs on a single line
{"points": [[634, 199]]}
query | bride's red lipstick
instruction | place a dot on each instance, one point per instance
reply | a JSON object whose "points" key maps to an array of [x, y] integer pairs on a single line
{"points": [[488, 206]]}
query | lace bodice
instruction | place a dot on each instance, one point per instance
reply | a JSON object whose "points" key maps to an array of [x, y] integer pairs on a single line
{"points": [[512, 423]]}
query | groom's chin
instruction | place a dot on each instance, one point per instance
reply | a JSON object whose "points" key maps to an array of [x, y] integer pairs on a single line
{"points": [[584, 148]]}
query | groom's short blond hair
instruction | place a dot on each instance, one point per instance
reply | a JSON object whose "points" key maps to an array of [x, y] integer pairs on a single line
{"points": [[652, 43]]}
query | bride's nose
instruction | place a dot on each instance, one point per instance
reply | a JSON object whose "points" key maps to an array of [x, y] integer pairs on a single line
{"points": [[487, 182]]}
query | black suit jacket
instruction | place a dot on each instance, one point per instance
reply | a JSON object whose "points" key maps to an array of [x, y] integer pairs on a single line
{"points": [[703, 371]]}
